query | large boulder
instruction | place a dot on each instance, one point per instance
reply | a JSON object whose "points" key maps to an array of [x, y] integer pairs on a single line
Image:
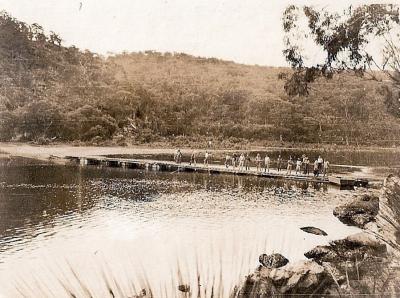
{"points": [[367, 240], [359, 212], [357, 247], [302, 277], [322, 253], [353, 261], [273, 260], [259, 285], [299, 277]]}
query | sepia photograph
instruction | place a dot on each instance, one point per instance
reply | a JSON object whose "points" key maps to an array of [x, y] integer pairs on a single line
{"points": [[199, 148]]}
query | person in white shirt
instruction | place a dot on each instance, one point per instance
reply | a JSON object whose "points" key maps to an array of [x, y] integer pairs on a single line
{"points": [[326, 168], [267, 161], [306, 164], [241, 162], [298, 166], [258, 162], [206, 158], [320, 163]]}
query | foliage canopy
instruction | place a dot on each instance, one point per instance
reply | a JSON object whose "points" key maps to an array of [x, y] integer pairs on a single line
{"points": [[343, 40]]}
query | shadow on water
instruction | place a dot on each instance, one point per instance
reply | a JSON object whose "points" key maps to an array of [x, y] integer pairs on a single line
{"points": [[98, 232]]}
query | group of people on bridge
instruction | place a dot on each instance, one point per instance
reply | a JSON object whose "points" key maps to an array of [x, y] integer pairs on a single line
{"points": [[243, 162]]}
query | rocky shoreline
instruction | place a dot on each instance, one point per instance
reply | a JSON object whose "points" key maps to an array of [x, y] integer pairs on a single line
{"points": [[366, 263]]}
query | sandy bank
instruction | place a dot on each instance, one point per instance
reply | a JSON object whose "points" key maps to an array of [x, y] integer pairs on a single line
{"points": [[44, 152]]}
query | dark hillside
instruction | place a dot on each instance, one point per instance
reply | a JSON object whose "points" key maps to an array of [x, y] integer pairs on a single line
{"points": [[208, 96], [49, 92]]}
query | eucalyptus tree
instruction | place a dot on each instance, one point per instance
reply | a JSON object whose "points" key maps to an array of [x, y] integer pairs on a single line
{"points": [[343, 42]]}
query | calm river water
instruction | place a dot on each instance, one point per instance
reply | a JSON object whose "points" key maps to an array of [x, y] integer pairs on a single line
{"points": [[84, 230]]}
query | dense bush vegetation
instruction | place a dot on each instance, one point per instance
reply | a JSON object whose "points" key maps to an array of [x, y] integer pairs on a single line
{"points": [[56, 93]]}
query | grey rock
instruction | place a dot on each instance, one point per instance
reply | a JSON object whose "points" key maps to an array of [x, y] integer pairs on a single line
{"points": [[303, 277], [355, 247], [322, 253], [359, 212], [275, 260], [366, 239], [298, 277], [314, 230], [184, 288]]}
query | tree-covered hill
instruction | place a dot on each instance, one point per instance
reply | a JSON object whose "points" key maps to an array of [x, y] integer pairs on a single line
{"points": [[52, 92], [200, 96]]}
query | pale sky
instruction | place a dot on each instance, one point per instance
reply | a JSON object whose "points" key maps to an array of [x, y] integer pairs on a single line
{"points": [[245, 31]]}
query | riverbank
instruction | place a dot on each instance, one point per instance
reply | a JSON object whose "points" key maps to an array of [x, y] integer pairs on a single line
{"points": [[60, 151], [362, 264]]}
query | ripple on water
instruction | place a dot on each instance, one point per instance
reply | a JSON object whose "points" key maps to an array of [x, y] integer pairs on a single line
{"points": [[152, 230]]}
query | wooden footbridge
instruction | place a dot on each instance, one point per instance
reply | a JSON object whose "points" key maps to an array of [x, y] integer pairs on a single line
{"points": [[170, 166]]}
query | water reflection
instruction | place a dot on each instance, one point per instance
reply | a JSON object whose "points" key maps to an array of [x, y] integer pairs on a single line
{"points": [[143, 229]]}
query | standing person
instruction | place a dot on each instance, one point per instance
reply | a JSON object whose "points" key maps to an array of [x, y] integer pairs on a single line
{"points": [[304, 158], [258, 162], [320, 164], [178, 156], [326, 168], [247, 162], [279, 163], [306, 166], [267, 161], [241, 162], [316, 172], [227, 160], [298, 166], [206, 158], [193, 158], [289, 166], [234, 157]]}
